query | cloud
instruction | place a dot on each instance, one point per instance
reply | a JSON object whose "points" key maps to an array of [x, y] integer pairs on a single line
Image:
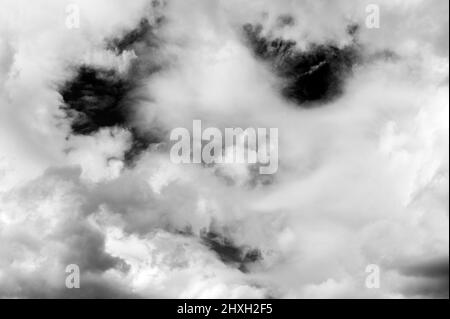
{"points": [[85, 176]]}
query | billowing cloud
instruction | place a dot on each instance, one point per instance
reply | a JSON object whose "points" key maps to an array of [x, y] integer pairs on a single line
{"points": [[86, 177]]}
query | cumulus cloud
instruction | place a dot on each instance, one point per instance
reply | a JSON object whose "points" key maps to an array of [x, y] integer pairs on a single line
{"points": [[86, 177]]}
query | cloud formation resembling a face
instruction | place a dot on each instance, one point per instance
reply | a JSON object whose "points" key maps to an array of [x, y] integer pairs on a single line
{"points": [[86, 177]]}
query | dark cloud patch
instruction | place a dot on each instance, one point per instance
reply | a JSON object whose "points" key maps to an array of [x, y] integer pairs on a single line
{"points": [[139, 39], [142, 140], [431, 278], [285, 20], [353, 29], [426, 288], [87, 248], [309, 77], [435, 268], [229, 253], [133, 38], [144, 42], [97, 98]]}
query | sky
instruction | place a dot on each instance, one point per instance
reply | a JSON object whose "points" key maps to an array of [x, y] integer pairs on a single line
{"points": [[86, 177]]}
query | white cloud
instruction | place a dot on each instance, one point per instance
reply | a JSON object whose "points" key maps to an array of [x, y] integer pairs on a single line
{"points": [[362, 180]]}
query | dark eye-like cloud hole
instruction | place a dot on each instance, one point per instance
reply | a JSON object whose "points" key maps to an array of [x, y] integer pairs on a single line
{"points": [[310, 77], [97, 98]]}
